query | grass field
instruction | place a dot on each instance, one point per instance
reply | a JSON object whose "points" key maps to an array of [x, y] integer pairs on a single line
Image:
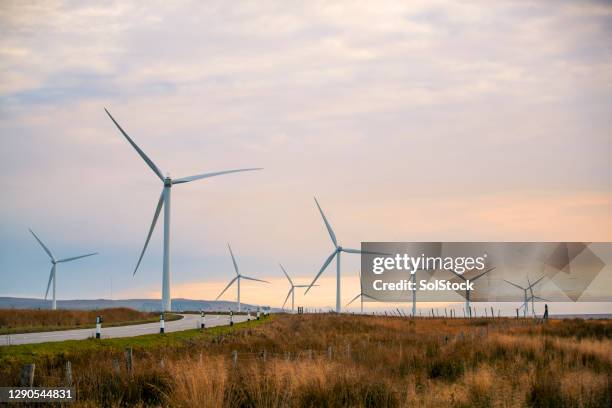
{"points": [[27, 320], [339, 361]]}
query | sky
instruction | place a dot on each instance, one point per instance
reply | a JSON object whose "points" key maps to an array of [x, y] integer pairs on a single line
{"points": [[409, 121]]}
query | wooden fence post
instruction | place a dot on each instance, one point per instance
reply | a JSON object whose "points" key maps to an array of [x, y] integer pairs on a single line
{"points": [[329, 352], [129, 362], [27, 375], [116, 366], [234, 358], [68, 374]]}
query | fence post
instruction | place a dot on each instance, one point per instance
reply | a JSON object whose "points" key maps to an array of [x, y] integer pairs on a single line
{"points": [[348, 350], [116, 367], [129, 362], [264, 355], [231, 318], [162, 325], [329, 352], [27, 375], [203, 320], [234, 358], [310, 354], [68, 374]]}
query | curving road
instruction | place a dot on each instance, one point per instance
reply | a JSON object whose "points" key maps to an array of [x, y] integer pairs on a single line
{"points": [[188, 322]]}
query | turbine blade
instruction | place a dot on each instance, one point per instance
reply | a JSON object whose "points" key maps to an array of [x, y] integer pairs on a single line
{"points": [[327, 262], [329, 228], [483, 273], [371, 297], [233, 259], [76, 257], [536, 282], [514, 284], [51, 273], [47, 250], [358, 251], [303, 286], [459, 275], [286, 299], [207, 175], [352, 300], [286, 274], [253, 279], [227, 287], [142, 154], [160, 203]]}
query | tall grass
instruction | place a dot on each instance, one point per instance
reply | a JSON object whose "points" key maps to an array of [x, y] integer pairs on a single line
{"points": [[374, 362]]}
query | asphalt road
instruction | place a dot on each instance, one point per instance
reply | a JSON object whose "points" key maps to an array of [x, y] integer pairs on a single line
{"points": [[189, 321]]}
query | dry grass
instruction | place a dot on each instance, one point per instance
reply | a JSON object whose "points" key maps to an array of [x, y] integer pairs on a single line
{"points": [[27, 320], [375, 362]]}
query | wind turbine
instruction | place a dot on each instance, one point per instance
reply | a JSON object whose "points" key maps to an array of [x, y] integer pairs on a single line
{"points": [[338, 249], [237, 278], [467, 290], [164, 201], [291, 291], [526, 299], [360, 295], [54, 262]]}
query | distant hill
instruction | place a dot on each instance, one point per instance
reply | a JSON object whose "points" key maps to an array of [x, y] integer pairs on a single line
{"points": [[145, 305]]}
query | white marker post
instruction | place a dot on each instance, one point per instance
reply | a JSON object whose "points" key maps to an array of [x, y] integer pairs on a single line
{"points": [[231, 318], [162, 326], [202, 320], [98, 326], [258, 314], [249, 316]]}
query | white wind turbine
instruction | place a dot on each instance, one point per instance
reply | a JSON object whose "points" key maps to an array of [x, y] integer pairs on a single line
{"points": [[526, 298], [164, 201], [338, 249], [291, 291], [360, 295], [54, 262], [237, 279], [468, 310]]}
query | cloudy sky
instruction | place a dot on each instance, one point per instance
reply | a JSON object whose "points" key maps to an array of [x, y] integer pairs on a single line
{"points": [[409, 121]]}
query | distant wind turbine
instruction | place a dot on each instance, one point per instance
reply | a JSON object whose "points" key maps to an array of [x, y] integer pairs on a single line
{"points": [[467, 290], [237, 279], [54, 262], [164, 201], [361, 295], [338, 249], [526, 298], [291, 290]]}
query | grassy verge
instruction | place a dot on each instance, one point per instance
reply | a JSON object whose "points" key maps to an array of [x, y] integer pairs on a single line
{"points": [[37, 329], [33, 353]]}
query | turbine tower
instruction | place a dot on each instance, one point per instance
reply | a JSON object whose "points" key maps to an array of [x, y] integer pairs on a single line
{"points": [[468, 310], [526, 298], [360, 295], [237, 278], [291, 290], [164, 201], [54, 262], [338, 249]]}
